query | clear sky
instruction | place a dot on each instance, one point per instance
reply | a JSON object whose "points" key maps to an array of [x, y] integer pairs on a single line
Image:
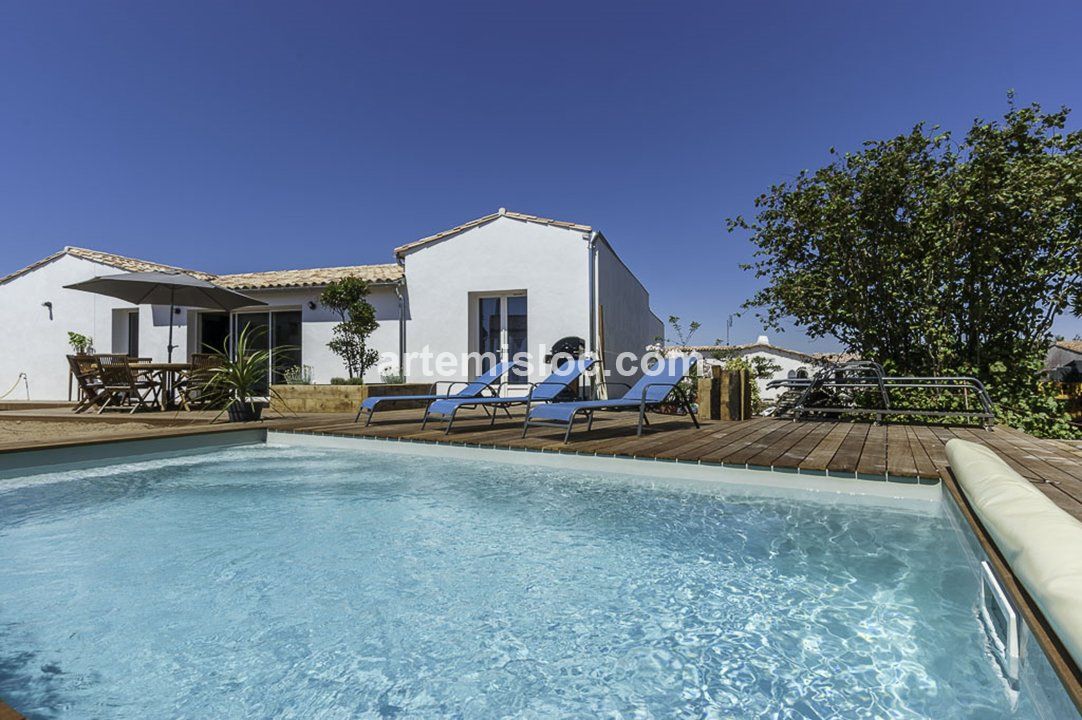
{"points": [[261, 135]]}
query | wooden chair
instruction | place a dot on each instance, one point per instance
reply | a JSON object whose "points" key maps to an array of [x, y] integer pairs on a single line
{"points": [[194, 389], [123, 383], [87, 374]]}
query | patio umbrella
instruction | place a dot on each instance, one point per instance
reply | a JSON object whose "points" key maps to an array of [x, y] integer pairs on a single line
{"points": [[166, 288]]}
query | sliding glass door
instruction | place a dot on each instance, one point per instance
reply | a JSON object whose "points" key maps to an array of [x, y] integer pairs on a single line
{"points": [[276, 330], [286, 340], [501, 331]]}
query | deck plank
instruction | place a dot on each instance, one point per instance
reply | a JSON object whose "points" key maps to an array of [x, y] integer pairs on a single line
{"points": [[873, 454], [822, 455], [847, 459], [925, 467]]}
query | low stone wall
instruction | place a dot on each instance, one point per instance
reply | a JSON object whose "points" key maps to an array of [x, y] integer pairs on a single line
{"points": [[340, 398]]}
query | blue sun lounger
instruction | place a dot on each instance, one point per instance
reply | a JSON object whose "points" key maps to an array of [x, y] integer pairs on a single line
{"points": [[649, 392], [545, 391], [473, 389]]}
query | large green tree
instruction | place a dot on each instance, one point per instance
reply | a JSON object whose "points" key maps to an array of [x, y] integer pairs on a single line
{"points": [[935, 255], [348, 298]]}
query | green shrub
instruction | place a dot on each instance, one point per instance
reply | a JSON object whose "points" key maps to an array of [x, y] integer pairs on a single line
{"points": [[347, 381]]}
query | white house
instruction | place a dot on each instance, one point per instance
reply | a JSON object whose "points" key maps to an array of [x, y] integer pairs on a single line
{"points": [[1062, 352], [503, 283], [789, 363]]}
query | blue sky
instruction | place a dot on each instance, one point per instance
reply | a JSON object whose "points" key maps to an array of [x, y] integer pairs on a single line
{"points": [[261, 135]]}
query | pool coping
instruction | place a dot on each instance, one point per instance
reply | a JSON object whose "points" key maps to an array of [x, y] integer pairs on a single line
{"points": [[901, 495], [9, 713], [129, 447], [451, 441], [1065, 667]]}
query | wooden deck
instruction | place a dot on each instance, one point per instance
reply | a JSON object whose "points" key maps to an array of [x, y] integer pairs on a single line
{"points": [[835, 448]]}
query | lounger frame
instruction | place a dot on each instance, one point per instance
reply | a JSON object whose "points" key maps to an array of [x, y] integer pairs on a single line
{"points": [[643, 406], [433, 395]]}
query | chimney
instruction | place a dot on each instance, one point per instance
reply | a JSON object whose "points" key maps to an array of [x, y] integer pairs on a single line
{"points": [[762, 340]]}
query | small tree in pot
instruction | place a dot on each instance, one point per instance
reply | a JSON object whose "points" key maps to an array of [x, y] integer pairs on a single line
{"points": [[348, 298]]}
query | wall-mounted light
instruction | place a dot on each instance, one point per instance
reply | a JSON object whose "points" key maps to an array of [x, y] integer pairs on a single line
{"points": [[48, 304], [176, 311], [311, 304]]}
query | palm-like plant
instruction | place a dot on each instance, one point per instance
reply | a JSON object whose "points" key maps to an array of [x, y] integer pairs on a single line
{"points": [[240, 373]]}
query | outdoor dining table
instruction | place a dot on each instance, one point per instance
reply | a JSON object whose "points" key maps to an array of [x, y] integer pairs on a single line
{"points": [[167, 374]]}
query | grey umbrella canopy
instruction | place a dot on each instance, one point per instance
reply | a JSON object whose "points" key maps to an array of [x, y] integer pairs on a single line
{"points": [[166, 288]]}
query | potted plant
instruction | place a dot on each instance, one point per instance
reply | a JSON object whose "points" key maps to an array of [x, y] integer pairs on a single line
{"points": [[297, 375], [80, 343], [238, 375]]}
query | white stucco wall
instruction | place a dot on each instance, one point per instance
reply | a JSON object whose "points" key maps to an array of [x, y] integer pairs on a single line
{"points": [[629, 324], [788, 362], [549, 263], [36, 345]]}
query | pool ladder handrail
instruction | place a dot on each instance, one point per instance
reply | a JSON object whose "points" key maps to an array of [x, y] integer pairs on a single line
{"points": [[867, 374]]}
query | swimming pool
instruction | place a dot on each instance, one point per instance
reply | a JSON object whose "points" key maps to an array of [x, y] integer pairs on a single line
{"points": [[274, 581]]}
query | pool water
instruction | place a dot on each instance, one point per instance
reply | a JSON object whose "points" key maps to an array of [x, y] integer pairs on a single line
{"points": [[290, 582]]}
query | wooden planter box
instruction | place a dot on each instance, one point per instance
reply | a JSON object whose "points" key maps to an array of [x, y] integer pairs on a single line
{"points": [[340, 398], [725, 395]]}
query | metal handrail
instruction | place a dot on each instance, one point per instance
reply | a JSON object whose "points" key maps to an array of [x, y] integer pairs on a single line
{"points": [[870, 375]]}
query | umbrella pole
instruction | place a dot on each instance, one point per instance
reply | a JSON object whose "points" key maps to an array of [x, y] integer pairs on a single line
{"points": [[169, 347]]}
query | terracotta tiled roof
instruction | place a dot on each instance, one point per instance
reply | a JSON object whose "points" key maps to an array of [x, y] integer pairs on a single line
{"points": [[764, 347], [120, 262], [1072, 345], [131, 264], [251, 281], [838, 357], [402, 249], [307, 278]]}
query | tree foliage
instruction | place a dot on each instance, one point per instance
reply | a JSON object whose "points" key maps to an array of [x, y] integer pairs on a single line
{"points": [[348, 298], [935, 255]]}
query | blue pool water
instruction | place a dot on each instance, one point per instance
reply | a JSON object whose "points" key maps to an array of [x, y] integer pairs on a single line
{"points": [[312, 583]]}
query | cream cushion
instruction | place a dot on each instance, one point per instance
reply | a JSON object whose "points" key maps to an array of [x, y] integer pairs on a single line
{"points": [[1041, 542]]}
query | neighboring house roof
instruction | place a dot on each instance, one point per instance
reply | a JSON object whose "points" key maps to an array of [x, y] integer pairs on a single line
{"points": [[1074, 346], [839, 357], [307, 278], [766, 347], [403, 249], [250, 281], [749, 347], [120, 262]]}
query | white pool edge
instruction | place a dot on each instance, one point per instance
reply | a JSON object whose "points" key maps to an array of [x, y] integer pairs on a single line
{"points": [[684, 475]]}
